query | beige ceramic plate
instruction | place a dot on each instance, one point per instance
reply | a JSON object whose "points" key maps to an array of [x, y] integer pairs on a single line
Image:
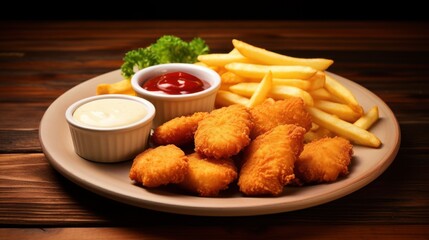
{"points": [[111, 180]]}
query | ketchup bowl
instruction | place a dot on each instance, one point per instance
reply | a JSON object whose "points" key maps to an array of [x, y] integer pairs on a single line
{"points": [[110, 128], [177, 89]]}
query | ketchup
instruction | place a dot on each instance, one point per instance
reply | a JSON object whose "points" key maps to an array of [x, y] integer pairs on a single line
{"points": [[176, 83]]}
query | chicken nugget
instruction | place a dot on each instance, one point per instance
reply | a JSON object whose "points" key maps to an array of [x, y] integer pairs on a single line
{"points": [[178, 131], [268, 162], [324, 160], [159, 166], [272, 113], [208, 176], [224, 132]]}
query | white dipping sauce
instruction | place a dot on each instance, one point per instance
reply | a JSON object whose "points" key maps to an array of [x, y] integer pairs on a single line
{"points": [[107, 113]]}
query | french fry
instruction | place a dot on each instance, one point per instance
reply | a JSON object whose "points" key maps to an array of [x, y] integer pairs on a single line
{"points": [[284, 92], [345, 129], [277, 92], [317, 81], [272, 58], [262, 91], [323, 94], [342, 93], [367, 120], [221, 59], [317, 134], [231, 78], [228, 79], [226, 98], [314, 126], [299, 83], [340, 110], [214, 68], [225, 86], [245, 89], [120, 87], [310, 136], [235, 51], [221, 70], [249, 70]]}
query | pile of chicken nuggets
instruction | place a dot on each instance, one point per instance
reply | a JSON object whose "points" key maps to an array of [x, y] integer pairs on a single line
{"points": [[260, 149]]}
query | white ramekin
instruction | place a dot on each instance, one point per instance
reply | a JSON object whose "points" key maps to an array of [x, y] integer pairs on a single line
{"points": [[113, 144], [171, 106]]}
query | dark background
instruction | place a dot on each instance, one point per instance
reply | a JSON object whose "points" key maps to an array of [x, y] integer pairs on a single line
{"points": [[216, 10]]}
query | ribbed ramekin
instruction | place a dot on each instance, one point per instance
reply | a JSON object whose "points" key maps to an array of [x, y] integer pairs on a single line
{"points": [[113, 144], [171, 106]]}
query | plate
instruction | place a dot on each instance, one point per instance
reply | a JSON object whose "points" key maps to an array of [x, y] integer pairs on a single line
{"points": [[111, 180]]}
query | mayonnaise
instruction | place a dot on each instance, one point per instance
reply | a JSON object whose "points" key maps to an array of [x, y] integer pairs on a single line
{"points": [[107, 113]]}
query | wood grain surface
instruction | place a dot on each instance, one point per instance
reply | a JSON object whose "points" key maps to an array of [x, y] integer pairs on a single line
{"points": [[40, 60]]}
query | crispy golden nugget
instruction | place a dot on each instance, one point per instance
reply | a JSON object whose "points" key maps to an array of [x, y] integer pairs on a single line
{"points": [[224, 132], [178, 131], [269, 161], [272, 113], [324, 160], [159, 166], [208, 176]]}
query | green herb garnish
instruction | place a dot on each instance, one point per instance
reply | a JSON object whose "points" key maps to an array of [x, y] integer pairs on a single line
{"points": [[167, 49]]}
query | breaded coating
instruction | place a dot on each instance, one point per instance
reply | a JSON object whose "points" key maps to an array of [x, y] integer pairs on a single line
{"points": [[178, 131], [269, 161], [159, 166], [324, 160], [224, 132], [208, 176], [272, 113]]}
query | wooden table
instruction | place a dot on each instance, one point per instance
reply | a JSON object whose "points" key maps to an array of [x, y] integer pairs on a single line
{"points": [[41, 60]]}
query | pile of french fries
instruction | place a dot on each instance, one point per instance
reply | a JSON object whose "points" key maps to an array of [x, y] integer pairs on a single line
{"points": [[251, 74]]}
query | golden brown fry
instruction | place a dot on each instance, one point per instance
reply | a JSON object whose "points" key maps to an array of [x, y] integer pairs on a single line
{"points": [[317, 81], [245, 89], [272, 58], [231, 78], [367, 120], [178, 131], [285, 92], [208, 176], [120, 87], [273, 113], [344, 94], [221, 59], [343, 128], [224, 132], [319, 133], [220, 70], [268, 163], [299, 83], [324, 160], [227, 98], [249, 70], [277, 92], [262, 91], [340, 110], [234, 51], [322, 94], [159, 166], [225, 87]]}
